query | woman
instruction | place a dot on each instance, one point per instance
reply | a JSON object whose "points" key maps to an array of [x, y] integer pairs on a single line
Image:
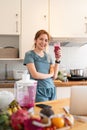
{"points": [[41, 67]]}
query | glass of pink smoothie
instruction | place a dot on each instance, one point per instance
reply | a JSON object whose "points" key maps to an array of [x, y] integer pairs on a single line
{"points": [[56, 47]]}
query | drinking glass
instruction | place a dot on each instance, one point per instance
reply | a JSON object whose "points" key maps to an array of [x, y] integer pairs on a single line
{"points": [[56, 47]]}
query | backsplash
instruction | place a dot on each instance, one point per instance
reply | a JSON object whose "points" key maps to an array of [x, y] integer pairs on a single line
{"points": [[9, 40], [11, 65], [72, 57]]}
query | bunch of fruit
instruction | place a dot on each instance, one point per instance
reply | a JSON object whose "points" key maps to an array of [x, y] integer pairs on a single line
{"points": [[5, 123], [16, 118], [13, 107], [56, 121], [49, 121]]}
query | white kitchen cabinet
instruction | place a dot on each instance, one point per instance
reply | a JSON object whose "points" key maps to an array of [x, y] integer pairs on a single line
{"points": [[34, 18], [68, 18], [63, 92], [9, 17]]}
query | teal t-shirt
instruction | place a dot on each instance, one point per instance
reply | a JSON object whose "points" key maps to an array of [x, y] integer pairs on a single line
{"points": [[42, 65], [45, 87]]}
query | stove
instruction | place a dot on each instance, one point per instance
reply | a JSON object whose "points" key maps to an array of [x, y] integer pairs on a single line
{"points": [[76, 78]]}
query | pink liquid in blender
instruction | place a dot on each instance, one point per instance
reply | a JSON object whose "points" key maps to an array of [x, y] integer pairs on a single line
{"points": [[29, 99]]}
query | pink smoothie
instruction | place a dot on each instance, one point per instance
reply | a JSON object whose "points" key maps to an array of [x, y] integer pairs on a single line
{"points": [[56, 47]]}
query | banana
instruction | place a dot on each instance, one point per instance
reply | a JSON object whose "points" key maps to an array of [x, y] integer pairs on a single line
{"points": [[18, 106], [13, 103], [9, 111], [14, 109]]}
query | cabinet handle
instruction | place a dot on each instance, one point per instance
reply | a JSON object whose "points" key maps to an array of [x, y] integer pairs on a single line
{"points": [[85, 27], [45, 17], [16, 26], [85, 18], [16, 22]]}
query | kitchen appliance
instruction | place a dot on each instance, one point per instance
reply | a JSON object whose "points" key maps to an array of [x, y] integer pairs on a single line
{"points": [[17, 74], [77, 75], [76, 72], [69, 41], [85, 72], [78, 100], [76, 78], [25, 91]]}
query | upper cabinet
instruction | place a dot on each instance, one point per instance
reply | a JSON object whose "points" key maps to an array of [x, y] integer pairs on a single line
{"points": [[23, 18], [34, 18], [9, 17], [68, 18]]}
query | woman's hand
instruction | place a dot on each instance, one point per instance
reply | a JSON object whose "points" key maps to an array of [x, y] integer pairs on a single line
{"points": [[57, 61], [58, 54], [52, 69]]}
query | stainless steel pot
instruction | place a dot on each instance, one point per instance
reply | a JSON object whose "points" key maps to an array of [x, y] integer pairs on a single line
{"points": [[76, 72]]}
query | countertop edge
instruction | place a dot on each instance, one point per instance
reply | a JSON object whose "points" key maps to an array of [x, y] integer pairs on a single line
{"points": [[69, 83], [56, 82]]}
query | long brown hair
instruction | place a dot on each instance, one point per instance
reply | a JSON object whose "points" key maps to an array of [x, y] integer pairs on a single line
{"points": [[40, 32]]}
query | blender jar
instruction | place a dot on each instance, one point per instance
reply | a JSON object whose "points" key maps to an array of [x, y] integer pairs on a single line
{"points": [[25, 91]]}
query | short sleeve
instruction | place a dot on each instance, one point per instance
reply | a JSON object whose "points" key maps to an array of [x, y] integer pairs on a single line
{"points": [[28, 58]]}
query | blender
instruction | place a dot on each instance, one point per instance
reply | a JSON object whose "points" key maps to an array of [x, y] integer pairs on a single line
{"points": [[25, 91]]}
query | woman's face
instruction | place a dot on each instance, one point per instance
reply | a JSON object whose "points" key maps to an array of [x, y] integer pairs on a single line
{"points": [[41, 42]]}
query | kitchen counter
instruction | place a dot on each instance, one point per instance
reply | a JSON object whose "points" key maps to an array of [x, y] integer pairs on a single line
{"points": [[6, 85], [69, 83], [57, 107], [56, 82]]}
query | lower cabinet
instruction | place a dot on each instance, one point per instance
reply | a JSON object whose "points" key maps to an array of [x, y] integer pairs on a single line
{"points": [[63, 92]]}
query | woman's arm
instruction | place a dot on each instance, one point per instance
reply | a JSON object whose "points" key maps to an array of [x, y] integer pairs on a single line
{"points": [[56, 68], [37, 75], [52, 68]]}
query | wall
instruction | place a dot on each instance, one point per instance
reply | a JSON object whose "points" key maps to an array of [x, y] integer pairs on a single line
{"points": [[11, 65], [9, 40], [72, 57]]}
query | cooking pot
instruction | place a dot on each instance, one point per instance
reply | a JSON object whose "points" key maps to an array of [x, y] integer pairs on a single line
{"points": [[76, 72]]}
